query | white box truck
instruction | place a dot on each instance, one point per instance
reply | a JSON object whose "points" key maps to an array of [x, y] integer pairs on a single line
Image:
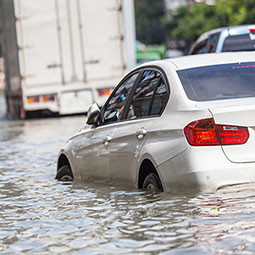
{"points": [[63, 55]]}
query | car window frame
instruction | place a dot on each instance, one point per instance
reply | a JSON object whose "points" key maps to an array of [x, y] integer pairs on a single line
{"points": [[125, 78], [213, 42], [198, 45], [128, 103], [140, 72]]}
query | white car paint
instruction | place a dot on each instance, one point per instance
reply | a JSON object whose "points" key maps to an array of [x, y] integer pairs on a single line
{"points": [[178, 164]]}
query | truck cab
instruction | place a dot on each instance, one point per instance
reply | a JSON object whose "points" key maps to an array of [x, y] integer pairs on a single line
{"points": [[225, 39]]}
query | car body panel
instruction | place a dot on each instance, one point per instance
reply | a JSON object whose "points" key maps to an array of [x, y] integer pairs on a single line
{"points": [[235, 112], [185, 170], [178, 164], [70, 151], [238, 115], [125, 148], [93, 156], [211, 59]]}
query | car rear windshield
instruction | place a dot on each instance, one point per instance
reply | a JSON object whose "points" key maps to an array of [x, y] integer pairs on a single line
{"points": [[243, 42], [219, 82]]}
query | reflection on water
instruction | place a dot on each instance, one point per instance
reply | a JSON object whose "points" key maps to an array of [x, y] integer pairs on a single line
{"points": [[39, 215], [2, 105]]}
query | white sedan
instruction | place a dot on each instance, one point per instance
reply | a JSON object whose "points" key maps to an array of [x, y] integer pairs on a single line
{"points": [[178, 123]]}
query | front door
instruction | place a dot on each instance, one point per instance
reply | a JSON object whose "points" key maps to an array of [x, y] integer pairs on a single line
{"points": [[94, 154], [130, 136], [94, 149]]}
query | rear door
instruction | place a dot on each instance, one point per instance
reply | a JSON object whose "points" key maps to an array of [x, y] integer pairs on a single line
{"points": [[146, 105]]}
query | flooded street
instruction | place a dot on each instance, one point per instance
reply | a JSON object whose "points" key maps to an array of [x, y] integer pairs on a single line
{"points": [[39, 215]]}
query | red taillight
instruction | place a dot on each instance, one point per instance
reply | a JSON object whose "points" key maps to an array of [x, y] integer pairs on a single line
{"points": [[48, 98], [252, 29], [104, 92], [40, 99], [35, 99], [206, 132], [201, 132], [232, 135]]}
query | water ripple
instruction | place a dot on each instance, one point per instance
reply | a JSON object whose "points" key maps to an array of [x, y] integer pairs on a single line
{"points": [[39, 215]]}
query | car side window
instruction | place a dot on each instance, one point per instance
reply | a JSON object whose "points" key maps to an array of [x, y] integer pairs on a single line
{"points": [[114, 108], [200, 47], [206, 46], [213, 41], [159, 100], [150, 96]]}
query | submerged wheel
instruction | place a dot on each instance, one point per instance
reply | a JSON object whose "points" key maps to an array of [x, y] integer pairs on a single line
{"points": [[64, 173], [152, 183]]}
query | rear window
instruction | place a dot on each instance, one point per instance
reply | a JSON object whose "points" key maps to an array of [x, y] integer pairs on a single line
{"points": [[219, 81], [239, 43], [207, 46]]}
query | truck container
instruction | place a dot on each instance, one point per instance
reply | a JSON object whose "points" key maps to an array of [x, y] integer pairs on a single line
{"points": [[63, 55]]}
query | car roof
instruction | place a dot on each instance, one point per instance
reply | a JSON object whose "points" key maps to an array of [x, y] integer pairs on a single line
{"points": [[234, 30], [200, 60]]}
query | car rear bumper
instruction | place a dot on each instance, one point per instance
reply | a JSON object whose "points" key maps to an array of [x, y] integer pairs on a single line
{"points": [[204, 169]]}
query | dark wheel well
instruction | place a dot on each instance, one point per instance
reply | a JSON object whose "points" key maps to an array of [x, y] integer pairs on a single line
{"points": [[63, 161], [146, 168]]}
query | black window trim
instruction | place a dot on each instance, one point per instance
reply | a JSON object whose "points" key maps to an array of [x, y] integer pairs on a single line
{"points": [[198, 45], [140, 72], [125, 78], [163, 78]]}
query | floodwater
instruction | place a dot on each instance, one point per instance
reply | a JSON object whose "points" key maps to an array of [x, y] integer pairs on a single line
{"points": [[39, 215]]}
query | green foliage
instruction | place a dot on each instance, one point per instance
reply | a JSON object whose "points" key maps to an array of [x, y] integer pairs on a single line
{"points": [[149, 28], [190, 21]]}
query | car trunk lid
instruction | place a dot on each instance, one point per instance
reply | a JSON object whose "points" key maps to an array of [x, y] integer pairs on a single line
{"points": [[239, 116]]}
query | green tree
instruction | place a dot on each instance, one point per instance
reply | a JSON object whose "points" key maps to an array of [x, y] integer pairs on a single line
{"points": [[149, 28], [190, 21]]}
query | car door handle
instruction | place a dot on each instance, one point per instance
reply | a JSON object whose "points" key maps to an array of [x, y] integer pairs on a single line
{"points": [[141, 133], [107, 140]]}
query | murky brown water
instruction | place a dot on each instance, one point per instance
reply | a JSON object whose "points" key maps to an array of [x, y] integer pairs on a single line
{"points": [[39, 215]]}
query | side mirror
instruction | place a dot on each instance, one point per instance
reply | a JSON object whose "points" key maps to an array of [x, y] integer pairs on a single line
{"points": [[93, 114]]}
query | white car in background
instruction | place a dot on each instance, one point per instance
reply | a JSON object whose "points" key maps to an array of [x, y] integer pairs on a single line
{"points": [[184, 123], [225, 39]]}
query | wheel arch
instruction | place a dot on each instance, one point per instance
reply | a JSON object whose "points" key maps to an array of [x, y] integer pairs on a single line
{"points": [[146, 168], [63, 160]]}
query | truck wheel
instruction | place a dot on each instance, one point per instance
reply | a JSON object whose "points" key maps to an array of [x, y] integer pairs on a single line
{"points": [[152, 183], [64, 173]]}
